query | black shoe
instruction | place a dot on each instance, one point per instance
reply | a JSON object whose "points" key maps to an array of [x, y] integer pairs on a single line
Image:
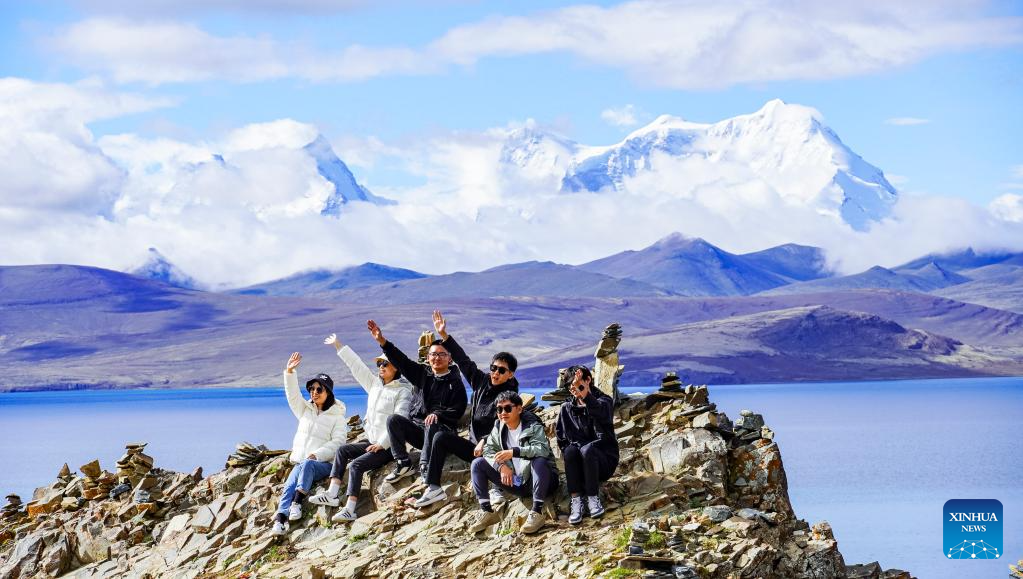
{"points": [[401, 470]]}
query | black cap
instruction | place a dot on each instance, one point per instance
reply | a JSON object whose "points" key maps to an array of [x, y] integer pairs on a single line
{"points": [[323, 380]]}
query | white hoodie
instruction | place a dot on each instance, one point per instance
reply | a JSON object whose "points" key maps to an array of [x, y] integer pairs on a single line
{"points": [[384, 399], [319, 433]]}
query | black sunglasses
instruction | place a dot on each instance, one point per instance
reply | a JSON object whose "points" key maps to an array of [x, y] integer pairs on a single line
{"points": [[499, 369], [382, 363], [505, 408], [316, 389]]}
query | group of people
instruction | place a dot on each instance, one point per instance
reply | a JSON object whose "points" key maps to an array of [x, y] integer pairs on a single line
{"points": [[420, 405]]}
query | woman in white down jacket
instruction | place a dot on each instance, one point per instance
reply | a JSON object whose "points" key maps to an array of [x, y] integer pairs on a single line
{"points": [[321, 430], [388, 394]]}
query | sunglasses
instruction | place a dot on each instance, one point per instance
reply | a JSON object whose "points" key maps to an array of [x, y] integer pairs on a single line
{"points": [[439, 354], [499, 369], [382, 363], [316, 389], [505, 408]]}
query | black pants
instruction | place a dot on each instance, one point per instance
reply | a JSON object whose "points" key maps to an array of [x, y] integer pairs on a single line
{"points": [[359, 462], [442, 444], [586, 467], [405, 430]]}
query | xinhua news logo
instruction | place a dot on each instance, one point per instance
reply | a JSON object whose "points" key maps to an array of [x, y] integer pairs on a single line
{"points": [[973, 529]]}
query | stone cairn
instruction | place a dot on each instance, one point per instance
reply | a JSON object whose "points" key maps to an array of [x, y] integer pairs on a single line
{"points": [[12, 510], [424, 344], [356, 428], [750, 426], [248, 454], [671, 385], [97, 482]]}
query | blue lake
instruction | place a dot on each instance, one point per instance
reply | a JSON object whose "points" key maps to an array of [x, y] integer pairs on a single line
{"points": [[876, 459]]}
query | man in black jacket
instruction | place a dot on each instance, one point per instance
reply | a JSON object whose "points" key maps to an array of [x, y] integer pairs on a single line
{"points": [[485, 388], [438, 401], [586, 436]]}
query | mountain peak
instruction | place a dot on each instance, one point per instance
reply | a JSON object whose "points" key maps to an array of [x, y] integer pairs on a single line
{"points": [[159, 268]]}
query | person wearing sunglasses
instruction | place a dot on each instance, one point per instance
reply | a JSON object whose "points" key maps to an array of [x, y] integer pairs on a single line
{"points": [[322, 428], [389, 393], [437, 403], [517, 457], [485, 388], [586, 437]]}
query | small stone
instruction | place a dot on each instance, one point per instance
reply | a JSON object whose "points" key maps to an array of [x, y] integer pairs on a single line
{"points": [[65, 472], [91, 469], [717, 514]]}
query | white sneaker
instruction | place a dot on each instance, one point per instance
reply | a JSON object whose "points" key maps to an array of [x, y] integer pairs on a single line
{"points": [[534, 522], [576, 511], [294, 512], [280, 528], [400, 471], [344, 516], [497, 497], [483, 519], [325, 500], [431, 496], [593, 505]]}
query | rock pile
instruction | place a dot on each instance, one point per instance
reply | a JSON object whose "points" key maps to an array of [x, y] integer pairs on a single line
{"points": [[425, 339], [670, 384], [692, 497], [248, 454], [355, 428], [97, 482], [134, 465], [609, 341], [12, 509]]}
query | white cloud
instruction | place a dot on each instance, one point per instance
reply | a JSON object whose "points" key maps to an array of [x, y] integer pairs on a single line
{"points": [[621, 116], [685, 45], [1008, 207], [171, 7], [906, 121]]}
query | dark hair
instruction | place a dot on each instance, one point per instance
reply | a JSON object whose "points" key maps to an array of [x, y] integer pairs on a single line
{"points": [[439, 343], [587, 375], [509, 396], [328, 402], [507, 358]]}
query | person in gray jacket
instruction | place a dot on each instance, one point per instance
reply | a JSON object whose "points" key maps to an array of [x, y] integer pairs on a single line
{"points": [[389, 393], [517, 457]]}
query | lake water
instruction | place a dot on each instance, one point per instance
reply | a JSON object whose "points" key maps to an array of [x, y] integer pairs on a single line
{"points": [[876, 459]]}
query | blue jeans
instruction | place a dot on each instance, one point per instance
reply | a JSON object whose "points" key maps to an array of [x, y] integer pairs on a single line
{"points": [[303, 476]]}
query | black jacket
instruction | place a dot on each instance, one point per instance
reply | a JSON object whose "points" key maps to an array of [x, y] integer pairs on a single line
{"points": [[593, 422], [443, 396], [484, 393]]}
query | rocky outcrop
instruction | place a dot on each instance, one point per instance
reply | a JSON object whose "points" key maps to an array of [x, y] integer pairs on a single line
{"points": [[695, 495]]}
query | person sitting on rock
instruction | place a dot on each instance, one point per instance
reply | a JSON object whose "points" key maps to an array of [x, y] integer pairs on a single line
{"points": [[389, 393], [321, 430], [437, 403], [485, 388], [517, 457], [586, 437]]}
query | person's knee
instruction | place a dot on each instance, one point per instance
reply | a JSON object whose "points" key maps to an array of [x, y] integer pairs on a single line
{"points": [[478, 464], [588, 452], [393, 420], [571, 453]]}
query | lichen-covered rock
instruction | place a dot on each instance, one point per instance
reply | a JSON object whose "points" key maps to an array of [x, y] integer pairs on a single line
{"points": [[757, 478]]}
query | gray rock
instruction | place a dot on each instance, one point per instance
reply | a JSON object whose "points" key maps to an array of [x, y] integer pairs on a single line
{"points": [[717, 513]]}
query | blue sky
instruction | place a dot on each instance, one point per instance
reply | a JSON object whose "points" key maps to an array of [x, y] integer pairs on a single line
{"points": [[930, 92]]}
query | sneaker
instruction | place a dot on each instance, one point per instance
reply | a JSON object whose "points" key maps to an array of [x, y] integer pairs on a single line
{"points": [[497, 497], [280, 528], [400, 471], [483, 519], [576, 515], [431, 496], [534, 522], [325, 500], [294, 512], [593, 505], [344, 516]]}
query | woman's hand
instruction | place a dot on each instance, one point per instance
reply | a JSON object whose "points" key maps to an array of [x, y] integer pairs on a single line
{"points": [[478, 451], [430, 419], [312, 457], [376, 332], [293, 363], [504, 456], [506, 475], [332, 340], [440, 324], [374, 448], [578, 388]]}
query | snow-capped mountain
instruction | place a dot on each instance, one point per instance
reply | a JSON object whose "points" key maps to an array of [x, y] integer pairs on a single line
{"points": [[334, 170], [159, 268], [784, 146]]}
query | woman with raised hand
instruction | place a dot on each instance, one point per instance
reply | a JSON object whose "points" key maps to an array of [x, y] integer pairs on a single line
{"points": [[389, 393], [517, 457], [321, 430], [586, 437]]}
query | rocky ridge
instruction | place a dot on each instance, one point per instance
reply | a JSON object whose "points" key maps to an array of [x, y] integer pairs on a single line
{"points": [[696, 495]]}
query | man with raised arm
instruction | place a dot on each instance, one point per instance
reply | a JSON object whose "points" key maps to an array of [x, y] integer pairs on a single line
{"points": [[437, 403], [486, 386]]}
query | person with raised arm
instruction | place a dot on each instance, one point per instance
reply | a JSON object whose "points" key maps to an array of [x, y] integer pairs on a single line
{"points": [[322, 428], [586, 437], [486, 385], [389, 393], [437, 403], [517, 457]]}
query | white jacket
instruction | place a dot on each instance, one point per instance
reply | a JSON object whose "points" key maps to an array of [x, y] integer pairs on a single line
{"points": [[384, 399], [319, 433]]}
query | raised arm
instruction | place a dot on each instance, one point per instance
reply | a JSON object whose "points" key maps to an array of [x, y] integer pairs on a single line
{"points": [[291, 391], [362, 374], [469, 369], [414, 371]]}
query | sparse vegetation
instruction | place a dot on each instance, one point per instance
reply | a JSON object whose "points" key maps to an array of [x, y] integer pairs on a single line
{"points": [[657, 540], [621, 573], [357, 537], [622, 539]]}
